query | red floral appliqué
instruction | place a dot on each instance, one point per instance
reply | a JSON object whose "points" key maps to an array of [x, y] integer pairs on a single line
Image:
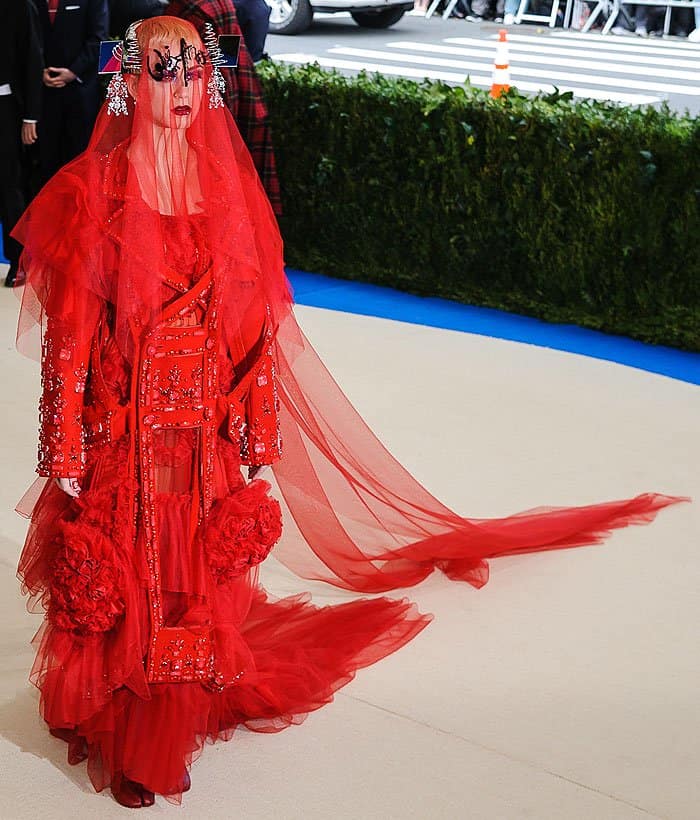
{"points": [[84, 589], [241, 530]]}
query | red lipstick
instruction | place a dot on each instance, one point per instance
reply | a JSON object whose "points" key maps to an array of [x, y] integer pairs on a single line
{"points": [[182, 110]]}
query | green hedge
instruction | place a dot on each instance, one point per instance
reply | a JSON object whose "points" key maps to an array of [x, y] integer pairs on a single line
{"points": [[572, 211]]}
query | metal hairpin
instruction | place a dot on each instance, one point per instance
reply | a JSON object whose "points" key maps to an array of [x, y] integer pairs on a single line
{"points": [[211, 43], [131, 53], [217, 85], [128, 56]]}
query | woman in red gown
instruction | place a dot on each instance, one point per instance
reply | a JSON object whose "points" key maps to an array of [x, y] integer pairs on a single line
{"points": [[170, 359]]}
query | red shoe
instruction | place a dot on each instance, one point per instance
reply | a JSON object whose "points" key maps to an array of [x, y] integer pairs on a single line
{"points": [[127, 793], [77, 746], [148, 798], [77, 751], [130, 794]]}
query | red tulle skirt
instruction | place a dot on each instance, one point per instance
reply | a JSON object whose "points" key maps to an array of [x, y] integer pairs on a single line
{"points": [[92, 584]]}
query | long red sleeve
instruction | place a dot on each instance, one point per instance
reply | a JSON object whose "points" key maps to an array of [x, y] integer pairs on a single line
{"points": [[71, 321], [261, 442]]}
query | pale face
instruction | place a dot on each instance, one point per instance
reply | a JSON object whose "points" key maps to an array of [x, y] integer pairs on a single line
{"points": [[175, 78]]}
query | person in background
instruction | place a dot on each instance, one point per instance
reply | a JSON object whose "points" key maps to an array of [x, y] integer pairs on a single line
{"points": [[71, 33], [254, 20], [20, 102], [486, 10], [511, 9], [243, 96], [651, 19], [124, 12], [497, 10]]}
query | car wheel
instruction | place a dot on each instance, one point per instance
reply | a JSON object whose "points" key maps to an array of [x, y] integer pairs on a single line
{"points": [[377, 19], [289, 16]]}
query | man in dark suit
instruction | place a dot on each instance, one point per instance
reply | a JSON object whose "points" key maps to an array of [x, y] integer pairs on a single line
{"points": [[20, 102], [72, 30], [254, 19], [124, 12]]}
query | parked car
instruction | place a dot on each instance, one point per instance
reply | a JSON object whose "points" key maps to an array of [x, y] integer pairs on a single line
{"points": [[295, 16]]}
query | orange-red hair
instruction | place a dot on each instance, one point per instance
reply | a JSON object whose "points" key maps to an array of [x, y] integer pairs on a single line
{"points": [[166, 28]]}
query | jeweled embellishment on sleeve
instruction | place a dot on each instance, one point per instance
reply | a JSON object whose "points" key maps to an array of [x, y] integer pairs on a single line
{"points": [[261, 440], [63, 375]]}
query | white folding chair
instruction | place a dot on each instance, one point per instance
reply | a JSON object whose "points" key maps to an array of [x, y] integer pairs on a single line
{"points": [[449, 8], [614, 8], [550, 18]]}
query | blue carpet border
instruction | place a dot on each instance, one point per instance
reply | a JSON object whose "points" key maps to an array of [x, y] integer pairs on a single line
{"points": [[317, 290]]}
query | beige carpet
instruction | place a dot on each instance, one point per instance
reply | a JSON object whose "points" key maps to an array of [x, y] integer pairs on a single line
{"points": [[565, 689]]}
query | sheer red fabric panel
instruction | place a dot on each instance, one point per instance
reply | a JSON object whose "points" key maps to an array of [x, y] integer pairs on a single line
{"points": [[369, 524]]}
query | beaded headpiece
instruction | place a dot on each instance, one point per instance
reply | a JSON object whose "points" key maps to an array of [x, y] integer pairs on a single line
{"points": [[217, 84], [131, 51], [119, 57]]}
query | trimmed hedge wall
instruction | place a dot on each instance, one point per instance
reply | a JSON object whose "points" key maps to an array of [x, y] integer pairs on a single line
{"points": [[579, 212]]}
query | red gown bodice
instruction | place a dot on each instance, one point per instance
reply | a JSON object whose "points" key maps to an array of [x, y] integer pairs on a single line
{"points": [[88, 395], [183, 411]]}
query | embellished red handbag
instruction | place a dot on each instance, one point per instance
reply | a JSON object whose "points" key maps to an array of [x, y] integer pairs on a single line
{"points": [[239, 533]]}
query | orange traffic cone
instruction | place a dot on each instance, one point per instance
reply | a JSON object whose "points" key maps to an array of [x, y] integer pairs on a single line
{"points": [[500, 79]]}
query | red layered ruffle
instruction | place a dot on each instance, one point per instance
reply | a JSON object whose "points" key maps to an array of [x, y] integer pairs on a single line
{"points": [[289, 656], [300, 655]]}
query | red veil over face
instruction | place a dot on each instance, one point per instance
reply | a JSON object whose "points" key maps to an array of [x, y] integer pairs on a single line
{"points": [[104, 225]]}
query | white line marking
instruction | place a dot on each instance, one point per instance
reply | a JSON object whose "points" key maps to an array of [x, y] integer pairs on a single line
{"points": [[452, 77], [567, 62], [541, 73], [540, 47], [578, 40]]}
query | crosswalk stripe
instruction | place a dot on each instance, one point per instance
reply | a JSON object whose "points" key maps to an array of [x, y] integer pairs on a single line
{"points": [[453, 77], [383, 68], [539, 47], [545, 59], [552, 75], [584, 41]]}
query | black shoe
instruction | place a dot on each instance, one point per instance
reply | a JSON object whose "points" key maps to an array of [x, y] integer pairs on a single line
{"points": [[15, 278], [11, 277]]}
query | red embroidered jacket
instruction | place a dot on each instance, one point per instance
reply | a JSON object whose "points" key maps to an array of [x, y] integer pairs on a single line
{"points": [[78, 409]]}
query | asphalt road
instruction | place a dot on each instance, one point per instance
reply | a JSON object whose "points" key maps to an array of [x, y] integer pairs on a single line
{"points": [[627, 70]]}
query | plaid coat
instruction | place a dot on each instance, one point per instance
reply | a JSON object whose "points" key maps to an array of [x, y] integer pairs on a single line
{"points": [[243, 90]]}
